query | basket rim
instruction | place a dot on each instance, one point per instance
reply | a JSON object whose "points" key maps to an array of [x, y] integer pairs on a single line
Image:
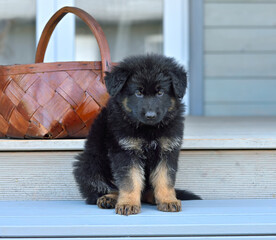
{"points": [[49, 67]]}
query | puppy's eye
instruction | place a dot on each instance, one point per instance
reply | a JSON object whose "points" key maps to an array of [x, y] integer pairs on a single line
{"points": [[160, 93], [138, 93]]}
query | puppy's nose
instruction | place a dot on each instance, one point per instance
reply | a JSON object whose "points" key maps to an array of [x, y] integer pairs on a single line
{"points": [[150, 115]]}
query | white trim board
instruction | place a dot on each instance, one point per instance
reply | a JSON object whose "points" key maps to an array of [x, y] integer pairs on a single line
{"points": [[176, 35], [41, 145], [200, 133]]}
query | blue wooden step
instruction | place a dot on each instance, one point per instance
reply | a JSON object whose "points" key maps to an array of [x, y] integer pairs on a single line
{"points": [[200, 219]]}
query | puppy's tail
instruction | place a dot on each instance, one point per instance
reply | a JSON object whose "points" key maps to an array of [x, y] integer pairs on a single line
{"points": [[186, 195]]}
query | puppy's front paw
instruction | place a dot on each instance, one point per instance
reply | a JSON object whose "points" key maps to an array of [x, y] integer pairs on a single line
{"points": [[173, 206], [127, 209], [107, 201]]}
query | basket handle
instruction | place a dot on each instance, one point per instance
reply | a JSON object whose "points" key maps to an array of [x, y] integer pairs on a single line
{"points": [[92, 24]]}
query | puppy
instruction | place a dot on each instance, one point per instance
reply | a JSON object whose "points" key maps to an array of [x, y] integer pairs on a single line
{"points": [[132, 150]]}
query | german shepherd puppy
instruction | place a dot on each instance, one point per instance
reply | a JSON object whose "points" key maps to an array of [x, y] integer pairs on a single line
{"points": [[132, 150]]}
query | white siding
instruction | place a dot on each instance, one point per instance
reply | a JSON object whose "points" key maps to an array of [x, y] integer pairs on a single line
{"points": [[240, 57], [221, 174]]}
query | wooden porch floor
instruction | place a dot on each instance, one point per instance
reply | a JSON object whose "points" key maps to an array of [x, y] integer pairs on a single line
{"points": [[198, 220]]}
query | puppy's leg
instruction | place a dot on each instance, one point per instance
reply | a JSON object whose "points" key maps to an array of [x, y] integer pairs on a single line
{"points": [[130, 188], [162, 180], [108, 201]]}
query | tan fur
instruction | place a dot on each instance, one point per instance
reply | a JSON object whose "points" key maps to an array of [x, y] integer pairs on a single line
{"points": [[129, 201], [163, 189], [112, 195], [125, 105], [129, 198], [131, 144], [169, 144], [172, 105]]}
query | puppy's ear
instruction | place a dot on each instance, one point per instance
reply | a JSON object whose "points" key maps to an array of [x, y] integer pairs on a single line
{"points": [[179, 81], [115, 80]]}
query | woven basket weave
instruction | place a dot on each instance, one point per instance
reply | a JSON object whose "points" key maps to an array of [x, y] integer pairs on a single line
{"points": [[54, 100]]}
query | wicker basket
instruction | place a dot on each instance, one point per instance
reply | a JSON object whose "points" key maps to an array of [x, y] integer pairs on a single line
{"points": [[54, 100]]}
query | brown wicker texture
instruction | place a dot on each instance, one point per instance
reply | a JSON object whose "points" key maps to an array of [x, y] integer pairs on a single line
{"points": [[54, 100]]}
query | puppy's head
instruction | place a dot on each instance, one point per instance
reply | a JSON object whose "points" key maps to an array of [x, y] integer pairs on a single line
{"points": [[148, 88]]}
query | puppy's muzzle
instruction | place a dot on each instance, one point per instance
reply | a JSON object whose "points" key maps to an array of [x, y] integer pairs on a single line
{"points": [[150, 115]]}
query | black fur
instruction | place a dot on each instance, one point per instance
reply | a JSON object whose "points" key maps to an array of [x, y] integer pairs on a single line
{"points": [[145, 104]]}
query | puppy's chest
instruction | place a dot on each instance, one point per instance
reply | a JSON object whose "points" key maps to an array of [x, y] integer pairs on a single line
{"points": [[145, 147]]}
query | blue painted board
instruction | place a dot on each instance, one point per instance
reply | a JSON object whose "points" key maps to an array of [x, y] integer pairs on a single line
{"points": [[159, 238], [198, 218]]}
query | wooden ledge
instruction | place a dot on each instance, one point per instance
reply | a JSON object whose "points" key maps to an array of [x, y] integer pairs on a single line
{"points": [[41, 145], [200, 133], [230, 133], [204, 218]]}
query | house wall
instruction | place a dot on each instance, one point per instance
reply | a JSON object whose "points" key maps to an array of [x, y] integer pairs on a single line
{"points": [[17, 41], [124, 40], [239, 57]]}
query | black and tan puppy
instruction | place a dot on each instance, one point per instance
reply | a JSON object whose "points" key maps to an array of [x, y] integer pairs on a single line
{"points": [[132, 150]]}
